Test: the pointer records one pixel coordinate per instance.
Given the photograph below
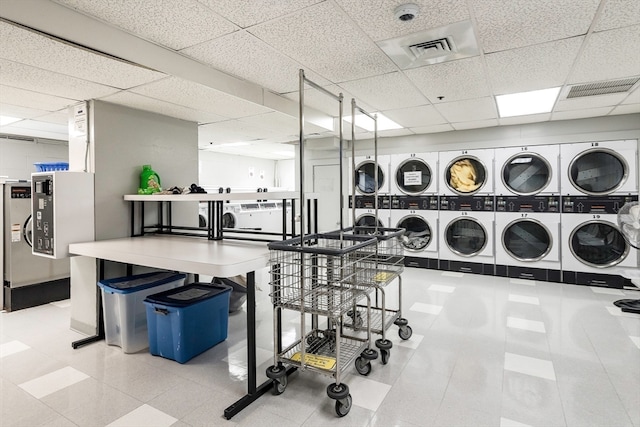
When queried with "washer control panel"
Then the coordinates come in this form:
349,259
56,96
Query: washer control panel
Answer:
595,204
369,202
467,203
527,203
425,203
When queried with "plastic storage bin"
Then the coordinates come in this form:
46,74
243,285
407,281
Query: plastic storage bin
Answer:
51,166
187,321
125,319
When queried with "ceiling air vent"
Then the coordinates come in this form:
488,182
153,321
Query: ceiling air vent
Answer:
601,88
438,47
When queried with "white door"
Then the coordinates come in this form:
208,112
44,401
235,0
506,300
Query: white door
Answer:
326,183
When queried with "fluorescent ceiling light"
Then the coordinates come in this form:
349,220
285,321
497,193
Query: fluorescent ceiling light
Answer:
523,103
6,120
366,123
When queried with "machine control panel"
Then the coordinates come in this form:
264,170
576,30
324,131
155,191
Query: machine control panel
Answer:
595,204
528,203
467,203
42,208
424,203
368,202
21,192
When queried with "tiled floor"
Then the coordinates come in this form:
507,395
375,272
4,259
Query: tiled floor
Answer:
484,351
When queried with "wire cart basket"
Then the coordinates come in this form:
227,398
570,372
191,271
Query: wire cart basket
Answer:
322,275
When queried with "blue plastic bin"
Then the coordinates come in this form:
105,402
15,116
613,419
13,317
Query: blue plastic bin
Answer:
125,318
185,322
51,166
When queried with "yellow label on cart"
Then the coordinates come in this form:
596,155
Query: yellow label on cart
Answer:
315,360
383,276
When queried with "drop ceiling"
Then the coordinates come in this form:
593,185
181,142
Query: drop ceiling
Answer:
232,65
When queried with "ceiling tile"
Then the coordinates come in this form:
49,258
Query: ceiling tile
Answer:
633,97
34,131
246,13
394,132
618,62
581,114
519,120
586,102
141,102
432,129
377,18
455,80
617,14
386,91
245,56
320,101
199,97
26,98
60,129
20,112
507,24
280,123
424,115
534,67
61,117
475,124
626,109
469,110
49,82
323,39
232,131
169,23
30,48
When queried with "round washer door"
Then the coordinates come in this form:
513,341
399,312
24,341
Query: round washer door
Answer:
417,234
598,244
598,171
465,175
413,176
367,220
466,236
365,177
27,231
526,173
527,240
228,220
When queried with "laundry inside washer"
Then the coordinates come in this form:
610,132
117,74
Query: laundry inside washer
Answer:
466,175
417,235
413,176
365,177
466,237
598,244
526,173
526,240
598,171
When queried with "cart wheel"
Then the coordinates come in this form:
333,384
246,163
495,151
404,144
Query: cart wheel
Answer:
276,372
401,321
384,344
384,355
343,406
369,354
405,332
337,391
363,366
279,385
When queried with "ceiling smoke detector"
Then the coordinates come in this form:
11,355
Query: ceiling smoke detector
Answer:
406,12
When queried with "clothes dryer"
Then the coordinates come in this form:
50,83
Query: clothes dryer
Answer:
525,171
365,211
365,178
466,230
414,174
466,172
599,168
528,238
418,216
592,245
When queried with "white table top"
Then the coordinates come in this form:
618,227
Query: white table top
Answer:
225,258
203,197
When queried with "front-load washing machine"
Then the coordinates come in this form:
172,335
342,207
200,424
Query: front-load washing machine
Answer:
418,216
466,172
364,176
365,211
592,245
528,238
414,174
466,230
599,168
525,171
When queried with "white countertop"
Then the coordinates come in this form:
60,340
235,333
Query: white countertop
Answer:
224,258
204,197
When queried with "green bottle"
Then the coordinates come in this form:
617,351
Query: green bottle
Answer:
149,181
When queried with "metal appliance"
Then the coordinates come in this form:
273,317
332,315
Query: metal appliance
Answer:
365,178
365,211
418,215
466,229
28,280
528,237
414,174
592,245
466,172
526,171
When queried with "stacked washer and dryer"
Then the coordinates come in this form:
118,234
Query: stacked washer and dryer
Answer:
365,178
527,191
598,179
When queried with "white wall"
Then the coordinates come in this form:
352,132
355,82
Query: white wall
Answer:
237,172
17,157
286,175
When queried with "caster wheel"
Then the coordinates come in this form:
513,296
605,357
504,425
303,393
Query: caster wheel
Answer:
275,372
405,332
401,321
279,385
384,355
363,366
343,406
337,391
384,344
369,354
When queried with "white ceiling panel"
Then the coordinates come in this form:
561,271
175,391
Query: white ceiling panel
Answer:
386,91
26,98
475,124
30,48
232,131
280,123
20,112
41,126
394,132
246,13
585,102
621,58
327,42
320,101
508,24
617,14
519,120
175,24
633,97
378,21
626,109
534,67
51,83
35,131
197,96
423,115
455,80
244,55
432,129
60,117
470,110
581,114
142,102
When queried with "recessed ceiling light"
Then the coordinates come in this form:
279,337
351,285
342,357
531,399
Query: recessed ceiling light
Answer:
366,123
523,103
6,120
